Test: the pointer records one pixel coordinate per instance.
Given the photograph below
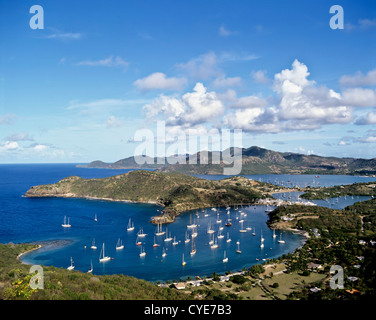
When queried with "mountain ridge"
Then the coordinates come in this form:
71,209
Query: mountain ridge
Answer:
255,160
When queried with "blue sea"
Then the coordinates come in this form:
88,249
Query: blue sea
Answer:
39,220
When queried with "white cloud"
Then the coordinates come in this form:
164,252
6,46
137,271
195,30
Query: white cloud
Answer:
359,97
223,81
22,136
8,119
158,80
224,32
203,67
369,119
111,61
113,122
65,36
359,79
193,108
260,77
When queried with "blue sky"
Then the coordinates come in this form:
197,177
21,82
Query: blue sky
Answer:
99,71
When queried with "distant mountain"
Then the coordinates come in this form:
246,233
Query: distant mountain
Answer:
255,160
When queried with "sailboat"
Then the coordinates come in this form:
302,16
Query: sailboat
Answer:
159,230
220,235
193,251
93,246
95,218
191,225
225,259
194,233
71,267
175,242
130,226
187,238
228,238
280,239
141,233
183,263
215,244
274,235
91,269
242,230
102,256
238,250
168,238
155,244
66,224
210,230
262,238
138,242
142,253
119,245
164,253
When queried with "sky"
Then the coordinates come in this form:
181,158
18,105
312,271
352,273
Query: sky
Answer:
96,74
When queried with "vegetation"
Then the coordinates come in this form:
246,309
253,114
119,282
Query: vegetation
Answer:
356,189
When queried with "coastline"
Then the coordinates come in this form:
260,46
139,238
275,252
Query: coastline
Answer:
23,253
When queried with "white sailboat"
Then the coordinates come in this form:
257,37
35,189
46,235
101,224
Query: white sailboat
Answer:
175,242
262,238
91,269
141,233
102,255
187,238
119,245
155,244
71,267
225,259
274,235
194,233
228,238
191,225
238,249
241,223
159,232
280,239
210,230
130,226
66,224
142,253
214,245
93,246
193,251
95,218
183,263
168,238
164,253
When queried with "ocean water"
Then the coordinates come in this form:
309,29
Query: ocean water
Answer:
39,220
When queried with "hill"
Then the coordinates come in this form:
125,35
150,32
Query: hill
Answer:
175,192
255,160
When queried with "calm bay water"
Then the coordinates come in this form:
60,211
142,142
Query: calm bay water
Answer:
32,219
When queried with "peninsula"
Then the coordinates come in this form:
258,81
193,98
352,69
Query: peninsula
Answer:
175,192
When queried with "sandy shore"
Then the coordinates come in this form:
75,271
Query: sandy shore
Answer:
23,253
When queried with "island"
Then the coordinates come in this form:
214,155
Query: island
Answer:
174,192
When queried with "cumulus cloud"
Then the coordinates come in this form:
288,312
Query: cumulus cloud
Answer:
359,79
359,97
113,122
368,119
192,109
259,76
159,80
301,105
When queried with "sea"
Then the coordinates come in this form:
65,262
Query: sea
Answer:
104,224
